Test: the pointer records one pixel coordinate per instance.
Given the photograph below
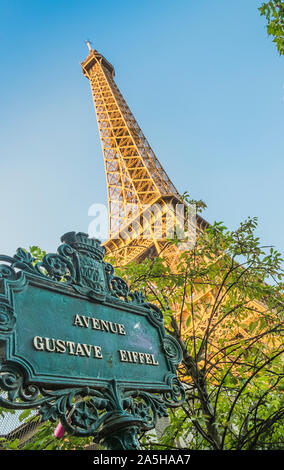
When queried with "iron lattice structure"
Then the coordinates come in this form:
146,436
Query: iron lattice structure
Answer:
136,180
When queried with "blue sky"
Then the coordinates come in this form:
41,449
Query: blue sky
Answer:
202,78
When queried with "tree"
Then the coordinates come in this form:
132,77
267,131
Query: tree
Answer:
224,305
274,13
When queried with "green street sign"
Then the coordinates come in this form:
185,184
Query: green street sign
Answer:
77,345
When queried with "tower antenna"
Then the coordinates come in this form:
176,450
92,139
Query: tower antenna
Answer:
89,45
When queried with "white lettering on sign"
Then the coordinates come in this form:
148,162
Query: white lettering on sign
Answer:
61,346
69,347
137,357
97,324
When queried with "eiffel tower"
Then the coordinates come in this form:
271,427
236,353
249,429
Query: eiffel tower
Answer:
135,177
136,180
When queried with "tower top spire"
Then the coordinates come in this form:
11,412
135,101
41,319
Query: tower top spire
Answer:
89,45
94,57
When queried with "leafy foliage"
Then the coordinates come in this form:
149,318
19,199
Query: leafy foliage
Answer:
43,438
274,14
224,305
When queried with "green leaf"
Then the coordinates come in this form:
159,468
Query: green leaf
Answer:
25,414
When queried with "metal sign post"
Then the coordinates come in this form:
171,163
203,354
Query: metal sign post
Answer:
81,348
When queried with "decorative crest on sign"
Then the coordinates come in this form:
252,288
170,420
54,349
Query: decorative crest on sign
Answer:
79,263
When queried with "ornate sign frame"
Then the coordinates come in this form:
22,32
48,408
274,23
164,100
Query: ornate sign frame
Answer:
110,408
